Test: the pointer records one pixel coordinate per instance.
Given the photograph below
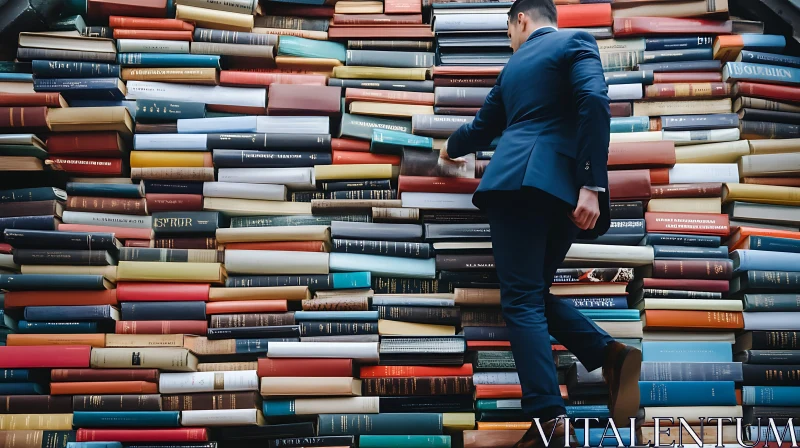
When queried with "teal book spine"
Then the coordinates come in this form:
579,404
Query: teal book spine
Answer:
745,71
382,266
595,437
21,389
142,419
759,260
94,445
26,327
336,316
588,411
773,244
168,60
370,441
310,48
770,395
380,424
351,280
687,393
768,43
14,375
162,110
252,345
621,125
278,408
393,142
610,314
16,77
772,302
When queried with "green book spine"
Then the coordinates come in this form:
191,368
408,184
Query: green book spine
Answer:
380,424
369,441
393,142
71,23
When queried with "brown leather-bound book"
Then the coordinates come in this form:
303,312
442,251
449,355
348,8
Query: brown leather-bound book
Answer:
186,243
433,385
629,185
688,90
337,304
659,176
33,208
19,299
630,155
685,320
100,9
695,223
377,31
161,202
706,190
493,439
35,404
388,96
78,375
23,117
211,401
402,6
721,269
115,402
199,327
348,144
766,91
621,109
143,23
295,246
86,144
250,320
289,99
247,306
93,340
157,128
126,206
258,79
682,77
42,99
103,388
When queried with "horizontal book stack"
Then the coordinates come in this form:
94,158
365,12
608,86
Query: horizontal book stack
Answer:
24,116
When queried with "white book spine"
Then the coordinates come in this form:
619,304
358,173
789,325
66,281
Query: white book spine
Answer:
365,351
438,201
621,92
293,125
152,46
173,383
509,403
7,262
702,136
237,190
633,137
495,378
608,255
240,6
230,96
619,45
291,177
220,417
693,304
107,219
688,173
273,262
470,22
170,142
217,125
344,405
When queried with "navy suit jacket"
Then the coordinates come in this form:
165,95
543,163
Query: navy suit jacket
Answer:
550,103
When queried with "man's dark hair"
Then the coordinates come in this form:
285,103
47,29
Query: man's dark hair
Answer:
544,10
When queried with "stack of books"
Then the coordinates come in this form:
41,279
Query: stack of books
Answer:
24,116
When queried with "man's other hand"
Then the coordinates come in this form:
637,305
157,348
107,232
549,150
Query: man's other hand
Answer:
443,152
587,211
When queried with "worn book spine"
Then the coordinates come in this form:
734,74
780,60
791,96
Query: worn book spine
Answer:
337,328
35,404
694,269
210,401
424,315
453,385
116,402
251,320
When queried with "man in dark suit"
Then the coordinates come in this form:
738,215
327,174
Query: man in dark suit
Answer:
545,185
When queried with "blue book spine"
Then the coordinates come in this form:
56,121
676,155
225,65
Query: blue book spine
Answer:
677,43
596,437
278,408
351,280
145,419
691,371
171,142
26,327
744,71
247,124
94,445
336,316
687,393
409,301
162,110
380,424
16,77
83,88
681,55
384,266
610,315
21,389
68,69
168,60
45,222
772,302
50,282
32,194
662,351
254,345
599,302
770,395
167,187
368,441
163,310
623,232
666,239
588,411
38,239
773,244
757,260
68,313
105,190
486,333
630,124
688,66
768,43
308,48
699,122
689,252
244,158
756,57
385,141
14,375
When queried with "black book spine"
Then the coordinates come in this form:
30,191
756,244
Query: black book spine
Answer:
177,445
337,328
771,375
232,37
116,403
308,196
22,238
98,31
389,248
448,385
670,294
421,314
482,317
770,115
380,184
29,54
453,403
465,262
166,187
391,285
699,122
280,431
776,340
68,69
486,333
468,277
439,217
770,130
767,357
251,320
61,257
180,223
247,158
313,281
390,44
35,404
780,414
627,210
163,311
284,331
303,442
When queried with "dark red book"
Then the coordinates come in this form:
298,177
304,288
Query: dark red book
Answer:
186,243
302,367
45,357
686,284
654,26
377,19
621,109
413,371
659,176
101,9
258,79
143,23
23,117
721,269
584,16
91,166
426,184
626,156
767,91
291,99
138,243
120,33
46,99
402,6
5,248
686,77
93,375
144,435
629,185
86,144
162,202
706,190
247,110
162,292
692,223
198,327
348,144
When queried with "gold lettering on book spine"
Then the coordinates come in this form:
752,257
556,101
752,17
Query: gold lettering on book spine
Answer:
219,381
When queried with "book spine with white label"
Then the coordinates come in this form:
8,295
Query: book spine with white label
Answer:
177,383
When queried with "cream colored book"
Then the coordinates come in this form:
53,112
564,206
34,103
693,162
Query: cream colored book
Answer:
622,329
397,328
259,293
37,422
276,262
491,297
321,66
637,137
322,386
202,346
600,255
173,174
358,7
725,152
770,165
306,34
109,272
389,109
686,205
692,414
55,41
693,107
774,146
402,215
154,271
346,172
164,358
458,421
277,233
762,194
336,405
689,336
222,417
209,18
16,87
194,382
252,207
143,340
220,366
203,76
361,72
690,304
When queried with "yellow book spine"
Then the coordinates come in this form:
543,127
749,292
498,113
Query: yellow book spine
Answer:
170,272
726,152
41,422
344,172
763,194
170,159
396,328
390,110
358,72
209,18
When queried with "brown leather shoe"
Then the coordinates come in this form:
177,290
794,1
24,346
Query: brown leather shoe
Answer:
532,438
621,371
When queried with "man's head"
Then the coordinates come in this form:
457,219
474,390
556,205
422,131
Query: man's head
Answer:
527,15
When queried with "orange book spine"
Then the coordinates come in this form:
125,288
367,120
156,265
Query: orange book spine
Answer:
498,391
360,158
19,299
659,176
680,319
94,340
504,426
104,387
293,246
488,345
744,232
586,15
143,23
247,306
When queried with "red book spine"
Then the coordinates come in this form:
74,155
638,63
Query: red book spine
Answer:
629,185
347,144
41,99
143,435
37,357
498,391
98,144
91,375
356,158
153,34
23,117
377,19
162,292
630,155
90,167
120,232
128,206
402,7
159,202
768,91
413,371
198,327
488,345
583,16
685,284
694,223
242,78
638,26
303,367
5,248
138,243
621,109
688,90
424,184
141,23
706,190
681,77
659,176
695,269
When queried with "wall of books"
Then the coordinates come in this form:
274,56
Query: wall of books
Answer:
225,224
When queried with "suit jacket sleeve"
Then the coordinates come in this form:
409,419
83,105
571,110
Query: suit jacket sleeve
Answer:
489,122
590,96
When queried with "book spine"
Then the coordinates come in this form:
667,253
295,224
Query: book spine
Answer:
107,205
679,294
23,117
770,279
235,158
29,54
684,371
251,320
397,249
286,331
185,243
423,315
693,269
116,403
314,281
186,223
35,404
303,196
65,69
67,313
446,385
233,37
208,401
158,311
343,424
337,328
770,375
60,257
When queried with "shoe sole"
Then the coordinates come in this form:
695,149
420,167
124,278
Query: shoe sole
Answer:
627,403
